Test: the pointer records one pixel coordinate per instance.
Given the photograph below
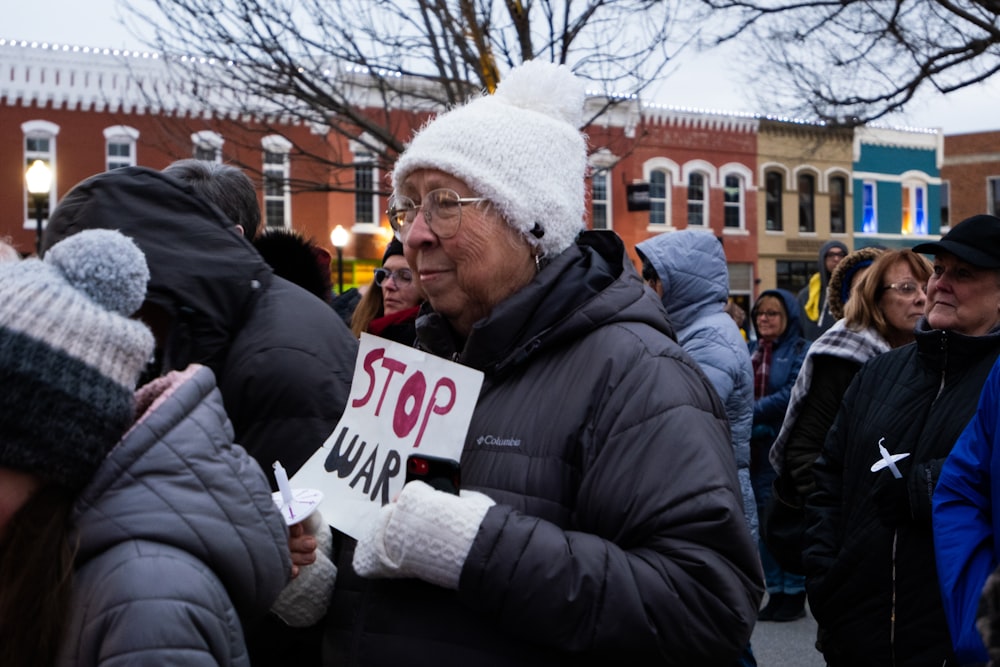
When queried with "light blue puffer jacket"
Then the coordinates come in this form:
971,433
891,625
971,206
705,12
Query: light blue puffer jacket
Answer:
692,269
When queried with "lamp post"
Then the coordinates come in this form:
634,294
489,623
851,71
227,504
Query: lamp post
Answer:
39,180
338,237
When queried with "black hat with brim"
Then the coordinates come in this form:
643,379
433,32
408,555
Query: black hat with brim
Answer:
975,240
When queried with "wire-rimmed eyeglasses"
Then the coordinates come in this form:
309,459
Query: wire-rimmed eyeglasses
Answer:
442,210
401,276
906,288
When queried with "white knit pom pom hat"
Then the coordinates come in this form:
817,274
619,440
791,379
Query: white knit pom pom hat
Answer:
520,148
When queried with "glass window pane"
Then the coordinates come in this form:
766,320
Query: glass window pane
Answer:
733,201
838,205
658,198
775,187
807,212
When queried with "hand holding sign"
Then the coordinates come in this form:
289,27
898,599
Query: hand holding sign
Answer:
402,400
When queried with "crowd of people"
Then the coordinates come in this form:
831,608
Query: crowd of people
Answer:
661,467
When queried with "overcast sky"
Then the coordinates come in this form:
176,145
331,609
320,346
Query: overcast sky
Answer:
94,23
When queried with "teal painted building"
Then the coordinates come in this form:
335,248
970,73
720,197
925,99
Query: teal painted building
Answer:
896,186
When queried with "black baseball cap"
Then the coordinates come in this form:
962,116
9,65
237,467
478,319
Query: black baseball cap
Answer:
975,240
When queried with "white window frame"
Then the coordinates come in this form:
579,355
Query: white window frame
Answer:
603,204
276,145
120,135
739,205
745,177
365,160
914,196
38,129
207,141
706,189
601,163
671,173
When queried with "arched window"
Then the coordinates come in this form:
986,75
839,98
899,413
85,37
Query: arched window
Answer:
869,208
807,202
39,144
207,146
119,146
914,208
659,197
277,193
697,203
774,190
733,202
838,205
600,204
365,194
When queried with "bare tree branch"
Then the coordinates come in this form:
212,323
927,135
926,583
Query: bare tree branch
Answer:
855,61
350,66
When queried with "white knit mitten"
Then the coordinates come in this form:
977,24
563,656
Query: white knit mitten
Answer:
426,534
304,601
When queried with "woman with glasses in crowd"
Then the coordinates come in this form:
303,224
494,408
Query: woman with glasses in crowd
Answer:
869,558
600,519
880,312
776,356
389,307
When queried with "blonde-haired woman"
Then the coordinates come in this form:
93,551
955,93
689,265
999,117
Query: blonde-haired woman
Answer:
881,313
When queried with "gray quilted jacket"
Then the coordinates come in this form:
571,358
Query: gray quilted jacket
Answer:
180,542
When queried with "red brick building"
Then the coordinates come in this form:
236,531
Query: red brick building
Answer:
81,111
970,176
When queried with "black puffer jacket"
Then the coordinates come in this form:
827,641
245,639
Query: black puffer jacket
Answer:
618,537
869,537
283,359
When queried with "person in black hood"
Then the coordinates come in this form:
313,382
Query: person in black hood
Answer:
776,355
283,359
296,259
813,297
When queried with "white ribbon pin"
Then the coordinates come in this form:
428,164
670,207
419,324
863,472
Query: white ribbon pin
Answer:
888,460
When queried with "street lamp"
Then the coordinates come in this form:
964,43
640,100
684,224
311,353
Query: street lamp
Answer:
39,179
338,237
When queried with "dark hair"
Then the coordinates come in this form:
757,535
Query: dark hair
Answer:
293,257
225,186
649,274
36,577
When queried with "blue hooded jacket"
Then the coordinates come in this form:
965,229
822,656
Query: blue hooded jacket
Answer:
692,269
786,360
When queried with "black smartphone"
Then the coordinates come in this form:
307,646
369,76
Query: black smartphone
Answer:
442,474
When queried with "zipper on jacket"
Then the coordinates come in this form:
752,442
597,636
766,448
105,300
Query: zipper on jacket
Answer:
944,363
892,609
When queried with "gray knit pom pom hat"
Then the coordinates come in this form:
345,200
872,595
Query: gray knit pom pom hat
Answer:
69,354
521,148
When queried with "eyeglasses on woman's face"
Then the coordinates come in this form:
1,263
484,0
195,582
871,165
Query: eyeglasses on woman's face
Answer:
906,288
401,276
769,314
442,210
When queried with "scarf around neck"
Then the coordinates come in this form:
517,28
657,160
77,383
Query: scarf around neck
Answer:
837,341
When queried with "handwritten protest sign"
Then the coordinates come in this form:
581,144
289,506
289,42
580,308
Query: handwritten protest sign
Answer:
402,401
